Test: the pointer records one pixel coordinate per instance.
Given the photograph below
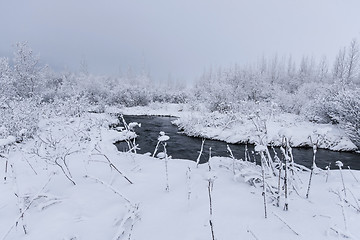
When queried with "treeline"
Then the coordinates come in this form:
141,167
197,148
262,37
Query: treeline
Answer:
30,91
317,90
320,91
24,78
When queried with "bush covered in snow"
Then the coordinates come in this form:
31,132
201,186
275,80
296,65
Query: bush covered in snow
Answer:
19,118
346,110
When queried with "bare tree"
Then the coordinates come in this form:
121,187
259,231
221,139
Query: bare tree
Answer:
84,68
291,69
339,69
306,69
274,69
323,69
352,61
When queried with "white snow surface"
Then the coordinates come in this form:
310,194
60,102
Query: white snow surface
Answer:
163,138
124,135
260,148
7,141
37,196
234,128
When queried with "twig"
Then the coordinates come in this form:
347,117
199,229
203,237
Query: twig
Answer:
353,174
68,176
286,224
340,164
113,166
246,153
327,172
132,216
21,215
356,201
263,179
200,153
30,165
134,148
357,208
312,169
209,165
270,161
188,178
166,169
210,187
110,187
341,233
156,148
20,201
343,213
232,157
131,145
6,168
284,152
279,185
252,234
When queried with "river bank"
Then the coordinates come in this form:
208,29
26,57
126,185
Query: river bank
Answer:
238,128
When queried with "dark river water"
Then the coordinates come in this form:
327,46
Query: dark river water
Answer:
180,146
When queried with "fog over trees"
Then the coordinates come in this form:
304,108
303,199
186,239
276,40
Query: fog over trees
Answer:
319,90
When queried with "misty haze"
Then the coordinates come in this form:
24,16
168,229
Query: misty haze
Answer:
179,120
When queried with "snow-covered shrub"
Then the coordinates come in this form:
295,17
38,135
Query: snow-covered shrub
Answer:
93,88
137,97
219,104
161,95
309,100
288,102
316,101
191,124
346,111
129,96
318,109
72,106
59,139
20,117
215,91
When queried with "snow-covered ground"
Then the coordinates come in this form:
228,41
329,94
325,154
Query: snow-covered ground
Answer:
234,128
101,193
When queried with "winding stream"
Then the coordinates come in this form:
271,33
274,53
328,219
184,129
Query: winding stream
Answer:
180,146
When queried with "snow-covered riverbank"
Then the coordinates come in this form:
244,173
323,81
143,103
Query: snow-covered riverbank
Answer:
104,194
234,128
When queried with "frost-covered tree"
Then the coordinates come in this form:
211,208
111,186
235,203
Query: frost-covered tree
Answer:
51,85
339,67
323,69
6,89
346,67
345,109
352,61
26,72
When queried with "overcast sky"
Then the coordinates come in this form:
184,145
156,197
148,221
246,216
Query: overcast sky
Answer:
177,37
